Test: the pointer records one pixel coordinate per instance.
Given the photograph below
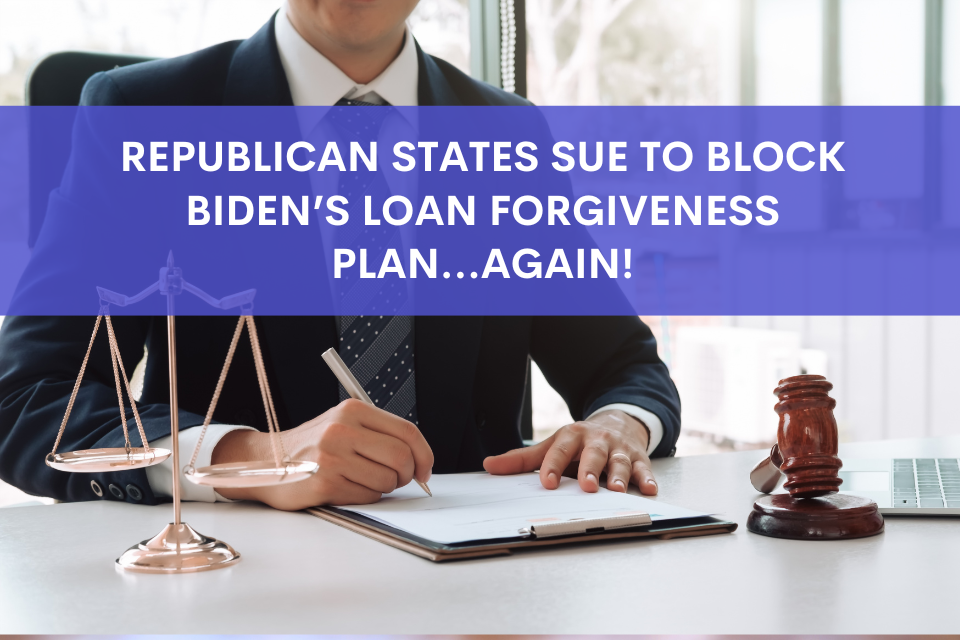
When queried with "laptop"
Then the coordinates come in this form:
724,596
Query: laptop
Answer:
906,486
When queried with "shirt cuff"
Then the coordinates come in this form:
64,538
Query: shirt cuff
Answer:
160,476
649,420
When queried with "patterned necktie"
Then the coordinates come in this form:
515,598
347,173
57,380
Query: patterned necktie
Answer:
377,348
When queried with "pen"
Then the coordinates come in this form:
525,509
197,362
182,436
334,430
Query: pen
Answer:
350,383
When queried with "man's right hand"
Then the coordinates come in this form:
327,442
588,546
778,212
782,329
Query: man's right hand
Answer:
363,452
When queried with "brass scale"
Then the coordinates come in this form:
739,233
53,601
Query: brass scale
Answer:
178,548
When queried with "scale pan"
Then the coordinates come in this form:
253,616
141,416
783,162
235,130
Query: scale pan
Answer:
106,460
251,474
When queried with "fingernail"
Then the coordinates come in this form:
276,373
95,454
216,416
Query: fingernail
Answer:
652,482
591,477
618,482
552,477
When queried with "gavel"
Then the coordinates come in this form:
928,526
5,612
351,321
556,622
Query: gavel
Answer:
806,449
806,454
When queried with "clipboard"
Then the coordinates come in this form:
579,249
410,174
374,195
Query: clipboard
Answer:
440,552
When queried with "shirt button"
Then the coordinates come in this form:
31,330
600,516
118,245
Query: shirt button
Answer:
134,493
117,492
97,489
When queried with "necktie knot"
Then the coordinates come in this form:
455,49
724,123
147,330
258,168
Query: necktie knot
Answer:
355,123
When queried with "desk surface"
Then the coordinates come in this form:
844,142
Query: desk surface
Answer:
300,574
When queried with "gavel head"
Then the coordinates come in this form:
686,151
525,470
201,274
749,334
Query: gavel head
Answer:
807,436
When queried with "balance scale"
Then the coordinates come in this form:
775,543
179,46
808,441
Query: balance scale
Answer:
178,548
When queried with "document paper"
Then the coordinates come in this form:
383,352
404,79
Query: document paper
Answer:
477,506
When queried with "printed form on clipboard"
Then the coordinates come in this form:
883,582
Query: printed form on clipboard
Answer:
477,506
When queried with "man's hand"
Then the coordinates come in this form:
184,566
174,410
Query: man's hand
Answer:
611,441
363,452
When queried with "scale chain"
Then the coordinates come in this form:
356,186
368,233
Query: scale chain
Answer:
273,424
116,380
115,360
76,386
216,393
133,405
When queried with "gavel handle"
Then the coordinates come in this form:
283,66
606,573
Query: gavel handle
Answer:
766,476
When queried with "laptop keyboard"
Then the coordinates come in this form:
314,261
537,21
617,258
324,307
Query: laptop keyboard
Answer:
926,483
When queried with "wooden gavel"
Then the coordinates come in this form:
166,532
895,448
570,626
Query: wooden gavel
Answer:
806,449
806,453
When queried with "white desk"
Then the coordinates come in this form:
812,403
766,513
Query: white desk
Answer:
300,574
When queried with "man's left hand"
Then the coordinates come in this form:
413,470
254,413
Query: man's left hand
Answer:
611,441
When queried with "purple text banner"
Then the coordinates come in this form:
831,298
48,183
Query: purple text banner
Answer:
493,211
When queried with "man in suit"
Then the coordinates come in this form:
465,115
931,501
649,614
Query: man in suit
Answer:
458,404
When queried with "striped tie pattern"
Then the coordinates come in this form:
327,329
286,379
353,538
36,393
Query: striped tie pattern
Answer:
378,349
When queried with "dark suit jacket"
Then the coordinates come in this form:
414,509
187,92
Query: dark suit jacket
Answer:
470,370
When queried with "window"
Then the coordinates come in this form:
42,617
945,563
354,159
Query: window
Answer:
882,53
617,52
951,52
788,52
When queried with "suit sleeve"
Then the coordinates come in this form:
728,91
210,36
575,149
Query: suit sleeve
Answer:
39,361
597,361
40,357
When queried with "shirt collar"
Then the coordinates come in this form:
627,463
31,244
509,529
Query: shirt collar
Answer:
315,81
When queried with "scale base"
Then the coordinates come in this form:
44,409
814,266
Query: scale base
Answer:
178,548
832,517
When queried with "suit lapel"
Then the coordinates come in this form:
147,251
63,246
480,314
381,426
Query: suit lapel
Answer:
256,76
433,90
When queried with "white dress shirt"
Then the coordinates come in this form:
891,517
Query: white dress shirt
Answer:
315,81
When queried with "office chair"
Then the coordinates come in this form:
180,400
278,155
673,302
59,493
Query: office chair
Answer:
57,81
